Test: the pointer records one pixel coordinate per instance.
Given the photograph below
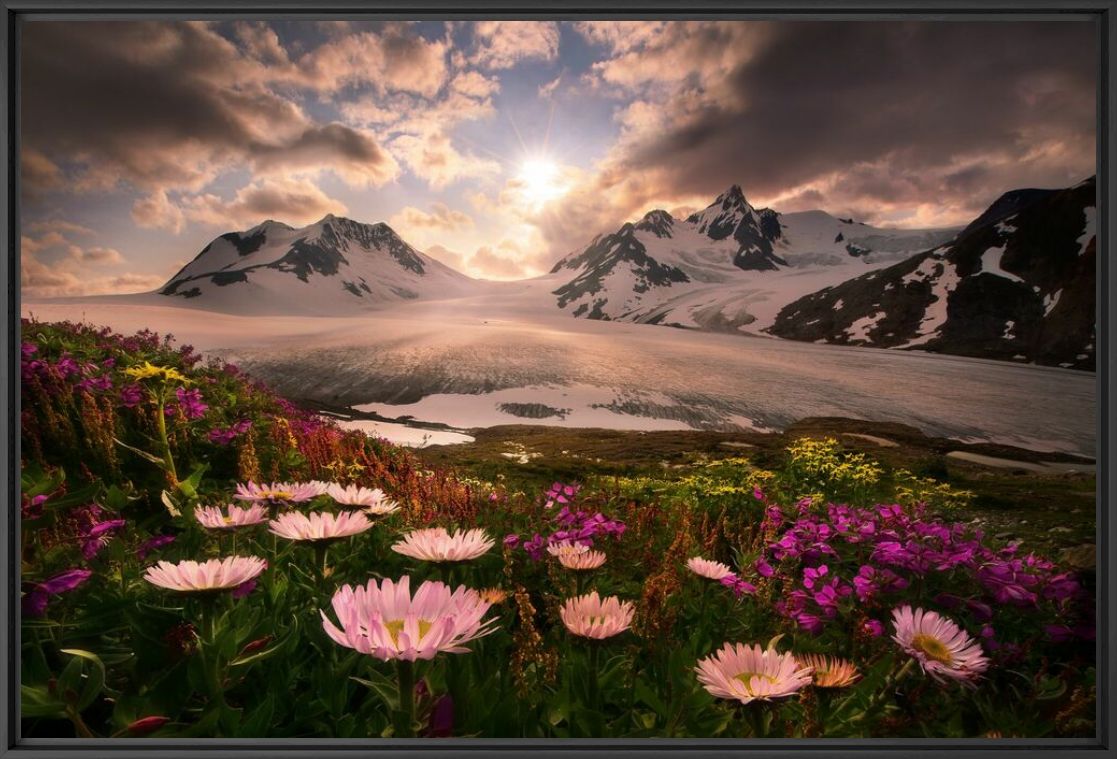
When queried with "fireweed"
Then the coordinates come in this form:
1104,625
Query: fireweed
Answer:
138,620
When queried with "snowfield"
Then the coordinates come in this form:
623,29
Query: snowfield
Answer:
496,358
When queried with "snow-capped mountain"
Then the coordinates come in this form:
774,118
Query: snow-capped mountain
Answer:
727,267
1017,283
335,265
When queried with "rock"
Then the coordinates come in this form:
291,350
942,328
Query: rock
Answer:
1082,557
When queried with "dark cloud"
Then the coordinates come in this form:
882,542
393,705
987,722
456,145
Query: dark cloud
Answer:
168,106
920,107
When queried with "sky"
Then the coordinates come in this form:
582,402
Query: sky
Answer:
500,146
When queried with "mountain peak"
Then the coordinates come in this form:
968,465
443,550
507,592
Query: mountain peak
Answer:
734,195
658,222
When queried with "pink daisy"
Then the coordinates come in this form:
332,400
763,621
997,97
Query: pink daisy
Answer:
942,648
206,576
751,673
711,570
319,526
385,621
212,518
372,501
591,616
279,492
436,544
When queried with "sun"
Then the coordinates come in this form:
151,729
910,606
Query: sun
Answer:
540,180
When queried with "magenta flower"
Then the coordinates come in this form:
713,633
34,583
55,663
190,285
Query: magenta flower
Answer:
131,395
35,602
97,537
189,402
153,544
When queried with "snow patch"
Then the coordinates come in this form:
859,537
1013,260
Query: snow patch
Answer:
991,264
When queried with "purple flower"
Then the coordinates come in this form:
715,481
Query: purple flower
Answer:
32,508
442,717
511,541
560,493
153,544
763,568
243,589
34,604
131,395
189,403
97,536
226,435
873,628
737,585
812,574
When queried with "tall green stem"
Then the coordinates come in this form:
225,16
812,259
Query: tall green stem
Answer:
591,679
161,425
405,674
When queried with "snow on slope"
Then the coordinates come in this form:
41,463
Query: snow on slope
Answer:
729,267
335,265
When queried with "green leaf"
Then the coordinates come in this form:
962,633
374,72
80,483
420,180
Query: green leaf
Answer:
189,486
37,701
141,453
94,681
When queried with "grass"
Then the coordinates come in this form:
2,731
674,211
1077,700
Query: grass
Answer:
1048,512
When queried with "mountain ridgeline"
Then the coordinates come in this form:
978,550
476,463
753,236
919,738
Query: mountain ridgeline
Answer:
335,265
1018,284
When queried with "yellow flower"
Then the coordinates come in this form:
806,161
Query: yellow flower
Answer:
148,370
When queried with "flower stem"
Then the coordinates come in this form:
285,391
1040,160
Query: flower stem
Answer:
161,425
594,695
405,674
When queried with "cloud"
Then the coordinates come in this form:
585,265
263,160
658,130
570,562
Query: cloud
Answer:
293,201
52,265
441,217
195,106
891,113
503,44
434,158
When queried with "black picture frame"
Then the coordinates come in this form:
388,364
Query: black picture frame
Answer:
15,12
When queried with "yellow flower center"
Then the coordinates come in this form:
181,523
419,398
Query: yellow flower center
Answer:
395,627
932,648
281,495
227,519
746,678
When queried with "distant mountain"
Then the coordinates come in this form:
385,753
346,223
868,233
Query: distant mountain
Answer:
335,265
1017,283
727,267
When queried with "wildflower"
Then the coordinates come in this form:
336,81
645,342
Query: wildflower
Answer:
373,500
189,402
243,589
97,537
436,544
873,628
319,526
711,570
494,595
561,494
763,568
511,541
278,492
147,370
131,395
830,671
207,576
146,725
737,585
591,616
34,603
32,508
942,648
235,517
153,543
384,620
226,435
582,560
751,673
